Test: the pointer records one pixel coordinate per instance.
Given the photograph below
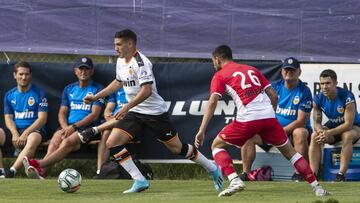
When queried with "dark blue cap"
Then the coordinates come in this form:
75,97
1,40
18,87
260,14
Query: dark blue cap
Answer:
291,62
83,61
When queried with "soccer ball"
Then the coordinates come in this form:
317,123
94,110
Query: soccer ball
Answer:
69,180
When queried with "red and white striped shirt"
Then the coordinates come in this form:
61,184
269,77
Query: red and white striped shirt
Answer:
246,85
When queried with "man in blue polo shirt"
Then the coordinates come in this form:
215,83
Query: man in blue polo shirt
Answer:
74,115
25,111
293,112
339,106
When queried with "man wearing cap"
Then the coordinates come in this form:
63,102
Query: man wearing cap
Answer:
74,115
293,112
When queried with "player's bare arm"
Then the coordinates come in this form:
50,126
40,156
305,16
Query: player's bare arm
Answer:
298,123
318,127
62,116
108,112
317,118
273,96
111,88
10,124
209,113
90,118
142,95
349,116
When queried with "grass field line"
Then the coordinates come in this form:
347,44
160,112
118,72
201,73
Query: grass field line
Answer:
171,191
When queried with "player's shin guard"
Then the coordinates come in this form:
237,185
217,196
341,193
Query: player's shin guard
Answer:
303,167
123,157
190,152
224,161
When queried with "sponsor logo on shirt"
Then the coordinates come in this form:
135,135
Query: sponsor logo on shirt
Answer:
24,115
144,75
337,120
349,100
129,83
43,103
140,63
82,106
308,105
285,111
169,134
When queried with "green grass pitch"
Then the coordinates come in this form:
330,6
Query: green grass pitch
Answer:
171,191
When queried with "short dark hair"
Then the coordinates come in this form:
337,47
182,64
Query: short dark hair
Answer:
223,52
126,34
329,73
22,64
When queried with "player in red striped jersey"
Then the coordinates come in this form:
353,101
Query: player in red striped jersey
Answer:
255,101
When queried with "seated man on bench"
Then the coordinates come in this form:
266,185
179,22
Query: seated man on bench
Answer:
25,112
339,106
293,112
73,116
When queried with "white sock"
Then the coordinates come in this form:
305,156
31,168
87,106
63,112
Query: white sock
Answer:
13,169
131,168
233,176
314,184
98,171
201,160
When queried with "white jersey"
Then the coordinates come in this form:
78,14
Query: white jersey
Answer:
134,74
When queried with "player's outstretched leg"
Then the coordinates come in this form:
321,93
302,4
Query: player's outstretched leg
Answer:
303,167
123,157
138,186
190,152
224,160
218,178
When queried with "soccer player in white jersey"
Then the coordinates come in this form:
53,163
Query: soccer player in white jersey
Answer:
255,101
145,108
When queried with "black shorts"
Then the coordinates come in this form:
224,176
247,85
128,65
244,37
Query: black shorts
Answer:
337,138
8,135
133,125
